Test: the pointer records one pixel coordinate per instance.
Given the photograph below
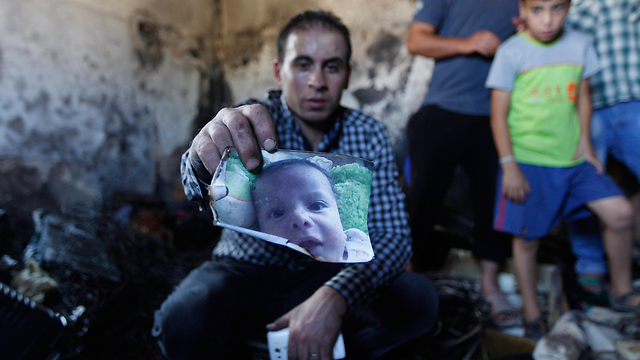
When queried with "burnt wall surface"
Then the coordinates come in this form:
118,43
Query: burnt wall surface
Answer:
111,87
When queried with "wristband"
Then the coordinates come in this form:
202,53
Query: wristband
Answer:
506,159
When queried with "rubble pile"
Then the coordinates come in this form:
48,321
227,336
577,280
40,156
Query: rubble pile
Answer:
105,271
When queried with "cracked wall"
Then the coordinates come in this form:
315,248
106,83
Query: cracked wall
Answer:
109,87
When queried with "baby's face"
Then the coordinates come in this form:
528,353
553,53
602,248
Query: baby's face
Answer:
299,205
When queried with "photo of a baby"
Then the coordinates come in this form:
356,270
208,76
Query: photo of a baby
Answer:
300,200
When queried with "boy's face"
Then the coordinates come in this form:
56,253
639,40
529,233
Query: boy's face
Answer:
299,205
544,18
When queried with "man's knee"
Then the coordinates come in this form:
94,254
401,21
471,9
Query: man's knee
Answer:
418,301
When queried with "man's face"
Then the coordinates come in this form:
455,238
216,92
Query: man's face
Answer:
313,73
299,205
544,18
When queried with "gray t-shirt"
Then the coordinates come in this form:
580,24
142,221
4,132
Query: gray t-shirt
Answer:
458,82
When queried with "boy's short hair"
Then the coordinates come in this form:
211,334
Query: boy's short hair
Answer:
284,165
309,19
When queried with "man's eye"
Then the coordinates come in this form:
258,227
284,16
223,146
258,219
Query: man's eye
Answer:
303,65
277,213
333,68
317,205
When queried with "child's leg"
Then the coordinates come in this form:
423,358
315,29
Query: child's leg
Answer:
524,260
616,213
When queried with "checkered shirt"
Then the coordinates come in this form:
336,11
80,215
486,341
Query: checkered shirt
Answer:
355,134
615,28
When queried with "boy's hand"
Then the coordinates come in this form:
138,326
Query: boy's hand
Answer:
585,151
514,184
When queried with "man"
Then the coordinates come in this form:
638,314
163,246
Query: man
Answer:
452,128
615,124
250,283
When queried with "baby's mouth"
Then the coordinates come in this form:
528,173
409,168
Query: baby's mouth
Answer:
309,243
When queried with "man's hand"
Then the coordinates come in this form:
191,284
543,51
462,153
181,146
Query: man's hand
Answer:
514,184
483,42
314,325
585,151
244,127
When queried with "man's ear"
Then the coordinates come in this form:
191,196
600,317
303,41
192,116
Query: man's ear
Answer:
277,67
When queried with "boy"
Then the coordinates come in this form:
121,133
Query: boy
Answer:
295,199
540,117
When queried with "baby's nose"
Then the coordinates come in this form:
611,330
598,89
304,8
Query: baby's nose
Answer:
300,219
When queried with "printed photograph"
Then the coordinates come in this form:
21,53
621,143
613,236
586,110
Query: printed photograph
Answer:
314,203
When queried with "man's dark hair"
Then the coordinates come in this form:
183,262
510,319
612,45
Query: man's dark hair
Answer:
308,20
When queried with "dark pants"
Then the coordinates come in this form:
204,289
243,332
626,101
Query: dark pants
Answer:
440,140
223,302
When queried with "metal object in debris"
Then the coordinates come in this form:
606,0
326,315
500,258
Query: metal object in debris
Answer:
29,331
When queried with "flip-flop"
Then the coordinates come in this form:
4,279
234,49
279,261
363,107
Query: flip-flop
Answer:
503,313
591,284
536,328
620,303
592,291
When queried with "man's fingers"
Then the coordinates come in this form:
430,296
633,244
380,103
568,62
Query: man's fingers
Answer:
263,126
204,157
243,137
280,323
326,352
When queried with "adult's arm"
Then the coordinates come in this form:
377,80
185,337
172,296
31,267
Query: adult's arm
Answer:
424,40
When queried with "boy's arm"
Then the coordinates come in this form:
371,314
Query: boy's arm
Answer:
514,185
585,110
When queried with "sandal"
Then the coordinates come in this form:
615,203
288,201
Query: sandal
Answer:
535,329
591,284
620,303
503,314
593,291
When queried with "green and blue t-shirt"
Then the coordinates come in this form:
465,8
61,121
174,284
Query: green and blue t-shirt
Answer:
543,79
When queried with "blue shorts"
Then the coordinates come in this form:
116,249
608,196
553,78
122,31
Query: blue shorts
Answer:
556,193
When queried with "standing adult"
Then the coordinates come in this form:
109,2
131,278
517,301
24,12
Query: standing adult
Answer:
615,124
251,285
452,128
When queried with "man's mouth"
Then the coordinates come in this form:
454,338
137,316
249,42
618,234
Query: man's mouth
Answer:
316,102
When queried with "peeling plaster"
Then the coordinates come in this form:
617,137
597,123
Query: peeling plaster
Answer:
86,89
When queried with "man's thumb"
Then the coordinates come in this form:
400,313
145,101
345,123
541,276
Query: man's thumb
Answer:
280,323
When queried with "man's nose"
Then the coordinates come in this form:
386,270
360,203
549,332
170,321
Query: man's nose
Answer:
317,79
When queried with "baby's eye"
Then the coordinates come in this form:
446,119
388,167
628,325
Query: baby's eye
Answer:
277,213
317,205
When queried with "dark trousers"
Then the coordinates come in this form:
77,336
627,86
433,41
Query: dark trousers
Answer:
440,140
225,301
